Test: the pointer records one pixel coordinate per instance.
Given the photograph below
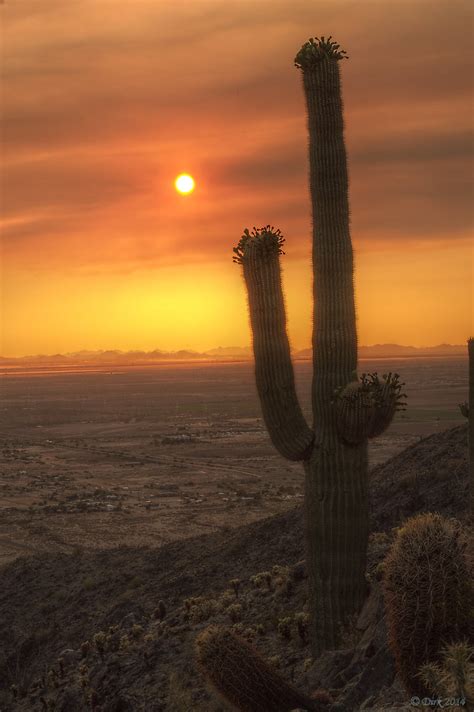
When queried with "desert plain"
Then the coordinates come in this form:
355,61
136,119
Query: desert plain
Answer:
101,457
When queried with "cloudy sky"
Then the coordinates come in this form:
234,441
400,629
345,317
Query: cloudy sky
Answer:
106,102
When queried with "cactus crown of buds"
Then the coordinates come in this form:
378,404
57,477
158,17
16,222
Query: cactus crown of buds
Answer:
317,49
371,385
261,242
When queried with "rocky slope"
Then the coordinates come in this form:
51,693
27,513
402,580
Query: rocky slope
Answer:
84,632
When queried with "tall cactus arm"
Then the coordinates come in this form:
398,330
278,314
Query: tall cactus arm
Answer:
259,254
334,330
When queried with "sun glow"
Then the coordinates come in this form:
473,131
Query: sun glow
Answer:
184,184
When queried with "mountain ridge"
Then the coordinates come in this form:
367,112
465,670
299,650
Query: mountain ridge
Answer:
226,353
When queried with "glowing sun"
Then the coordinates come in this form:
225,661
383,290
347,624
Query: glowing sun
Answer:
184,184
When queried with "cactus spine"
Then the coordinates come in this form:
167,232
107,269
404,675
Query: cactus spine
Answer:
243,678
428,594
345,412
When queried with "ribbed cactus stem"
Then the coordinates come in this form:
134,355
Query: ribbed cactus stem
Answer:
259,255
336,508
428,594
334,331
470,348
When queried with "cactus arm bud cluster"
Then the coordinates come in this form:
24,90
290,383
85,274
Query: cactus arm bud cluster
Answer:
317,49
355,412
239,673
428,594
259,255
366,408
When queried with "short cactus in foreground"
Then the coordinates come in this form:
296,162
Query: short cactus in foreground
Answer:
160,611
239,673
346,411
428,594
454,676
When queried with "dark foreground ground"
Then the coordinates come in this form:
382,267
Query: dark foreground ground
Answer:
80,630
119,489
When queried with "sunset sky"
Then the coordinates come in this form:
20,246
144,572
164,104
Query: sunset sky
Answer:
106,102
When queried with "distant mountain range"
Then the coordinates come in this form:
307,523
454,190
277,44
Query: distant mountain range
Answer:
233,353
389,350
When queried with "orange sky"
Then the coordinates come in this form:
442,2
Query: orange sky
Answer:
106,102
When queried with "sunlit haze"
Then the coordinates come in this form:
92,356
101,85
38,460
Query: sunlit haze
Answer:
106,104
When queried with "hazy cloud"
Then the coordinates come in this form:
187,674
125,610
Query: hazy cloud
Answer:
104,103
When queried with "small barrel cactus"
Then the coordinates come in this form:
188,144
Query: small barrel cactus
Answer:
240,674
464,408
428,594
160,611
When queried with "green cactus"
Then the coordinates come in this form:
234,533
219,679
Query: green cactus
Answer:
346,412
464,408
428,594
467,409
160,611
243,678
470,346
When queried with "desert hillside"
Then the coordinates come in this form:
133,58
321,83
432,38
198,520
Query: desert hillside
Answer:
85,631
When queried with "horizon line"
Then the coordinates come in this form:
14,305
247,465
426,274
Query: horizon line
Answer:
212,351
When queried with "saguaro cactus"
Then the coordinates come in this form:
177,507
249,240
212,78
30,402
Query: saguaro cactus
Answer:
346,411
467,409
